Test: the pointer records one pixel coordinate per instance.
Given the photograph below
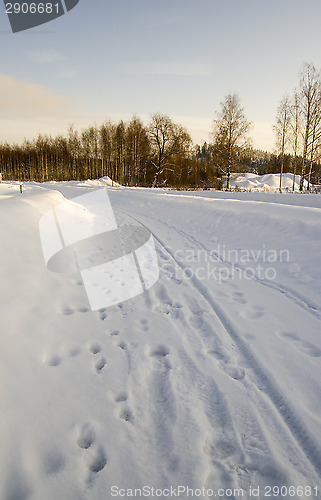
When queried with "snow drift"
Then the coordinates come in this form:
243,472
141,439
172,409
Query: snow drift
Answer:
267,182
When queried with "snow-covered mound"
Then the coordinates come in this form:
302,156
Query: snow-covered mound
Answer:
98,183
102,182
267,182
210,380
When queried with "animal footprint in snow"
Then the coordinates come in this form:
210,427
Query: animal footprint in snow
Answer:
51,360
97,460
255,312
122,396
196,321
100,363
86,436
302,345
157,350
94,348
64,309
66,351
161,294
122,345
102,314
126,415
83,309
216,354
233,371
125,412
239,298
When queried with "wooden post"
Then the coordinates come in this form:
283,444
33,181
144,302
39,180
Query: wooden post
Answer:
21,188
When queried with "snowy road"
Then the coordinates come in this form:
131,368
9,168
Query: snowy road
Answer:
211,379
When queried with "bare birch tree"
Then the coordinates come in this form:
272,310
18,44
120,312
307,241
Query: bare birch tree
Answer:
295,132
281,129
230,134
310,94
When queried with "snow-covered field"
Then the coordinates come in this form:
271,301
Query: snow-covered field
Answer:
210,380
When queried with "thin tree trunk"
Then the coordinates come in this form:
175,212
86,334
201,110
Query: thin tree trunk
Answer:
294,173
281,173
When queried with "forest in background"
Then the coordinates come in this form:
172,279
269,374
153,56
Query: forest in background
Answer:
124,152
161,153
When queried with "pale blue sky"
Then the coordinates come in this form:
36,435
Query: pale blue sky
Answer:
109,59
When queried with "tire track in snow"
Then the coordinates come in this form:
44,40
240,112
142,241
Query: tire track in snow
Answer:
240,454
295,297
265,382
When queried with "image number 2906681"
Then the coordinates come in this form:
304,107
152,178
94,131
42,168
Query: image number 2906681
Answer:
24,15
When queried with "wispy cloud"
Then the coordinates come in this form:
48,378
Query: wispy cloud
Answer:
166,68
23,100
45,56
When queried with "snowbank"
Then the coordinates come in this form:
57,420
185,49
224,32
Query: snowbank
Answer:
102,182
267,182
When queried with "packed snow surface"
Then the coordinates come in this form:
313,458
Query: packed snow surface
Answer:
210,380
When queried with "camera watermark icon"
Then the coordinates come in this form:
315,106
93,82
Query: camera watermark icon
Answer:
26,14
116,263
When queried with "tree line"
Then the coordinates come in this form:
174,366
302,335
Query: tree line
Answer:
161,153
131,153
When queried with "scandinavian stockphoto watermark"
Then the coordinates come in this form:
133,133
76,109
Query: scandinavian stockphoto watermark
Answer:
26,14
222,263
82,235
